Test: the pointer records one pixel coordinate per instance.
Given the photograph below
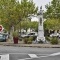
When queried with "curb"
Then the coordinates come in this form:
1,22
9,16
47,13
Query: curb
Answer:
30,45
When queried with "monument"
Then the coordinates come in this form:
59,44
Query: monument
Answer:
40,36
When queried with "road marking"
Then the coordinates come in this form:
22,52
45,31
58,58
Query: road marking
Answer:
43,56
21,59
14,53
4,57
25,59
55,54
33,55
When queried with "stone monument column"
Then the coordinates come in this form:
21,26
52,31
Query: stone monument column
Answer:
40,36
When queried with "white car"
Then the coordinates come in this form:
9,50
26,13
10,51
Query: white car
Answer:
53,34
29,34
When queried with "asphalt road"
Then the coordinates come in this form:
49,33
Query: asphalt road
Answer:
30,53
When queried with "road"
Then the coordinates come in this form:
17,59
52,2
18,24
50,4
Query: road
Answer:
30,53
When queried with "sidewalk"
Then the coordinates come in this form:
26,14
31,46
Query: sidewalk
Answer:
20,44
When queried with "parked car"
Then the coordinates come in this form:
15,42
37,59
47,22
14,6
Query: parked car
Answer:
31,34
2,38
53,34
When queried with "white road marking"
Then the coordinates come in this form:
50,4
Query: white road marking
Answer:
43,56
21,59
14,53
33,55
25,58
4,57
55,54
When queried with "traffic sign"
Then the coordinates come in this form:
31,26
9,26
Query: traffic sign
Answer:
0,28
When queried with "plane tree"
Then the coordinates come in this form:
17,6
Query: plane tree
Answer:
53,9
52,15
12,12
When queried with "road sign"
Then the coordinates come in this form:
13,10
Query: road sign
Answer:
0,28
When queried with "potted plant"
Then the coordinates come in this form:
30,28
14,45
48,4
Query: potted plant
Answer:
15,37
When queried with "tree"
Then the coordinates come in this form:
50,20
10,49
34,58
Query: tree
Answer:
53,9
12,12
52,24
28,24
52,15
34,25
9,15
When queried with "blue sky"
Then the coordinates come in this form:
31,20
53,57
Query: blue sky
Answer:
41,3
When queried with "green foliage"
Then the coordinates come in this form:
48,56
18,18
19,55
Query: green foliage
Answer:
48,38
53,9
28,40
25,40
52,24
52,15
15,34
54,40
34,25
12,12
28,24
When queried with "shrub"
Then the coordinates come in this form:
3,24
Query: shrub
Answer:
54,40
15,34
34,38
48,38
25,40
30,39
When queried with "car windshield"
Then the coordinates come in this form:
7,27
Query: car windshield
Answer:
2,36
31,34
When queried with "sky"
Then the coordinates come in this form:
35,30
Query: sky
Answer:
42,3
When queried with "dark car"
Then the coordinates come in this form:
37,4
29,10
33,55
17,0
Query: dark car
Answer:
2,38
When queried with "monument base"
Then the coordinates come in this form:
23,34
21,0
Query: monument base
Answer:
41,39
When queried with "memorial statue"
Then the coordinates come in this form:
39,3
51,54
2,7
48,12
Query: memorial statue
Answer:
40,36
40,21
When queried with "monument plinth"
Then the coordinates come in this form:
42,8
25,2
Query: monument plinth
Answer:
40,36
